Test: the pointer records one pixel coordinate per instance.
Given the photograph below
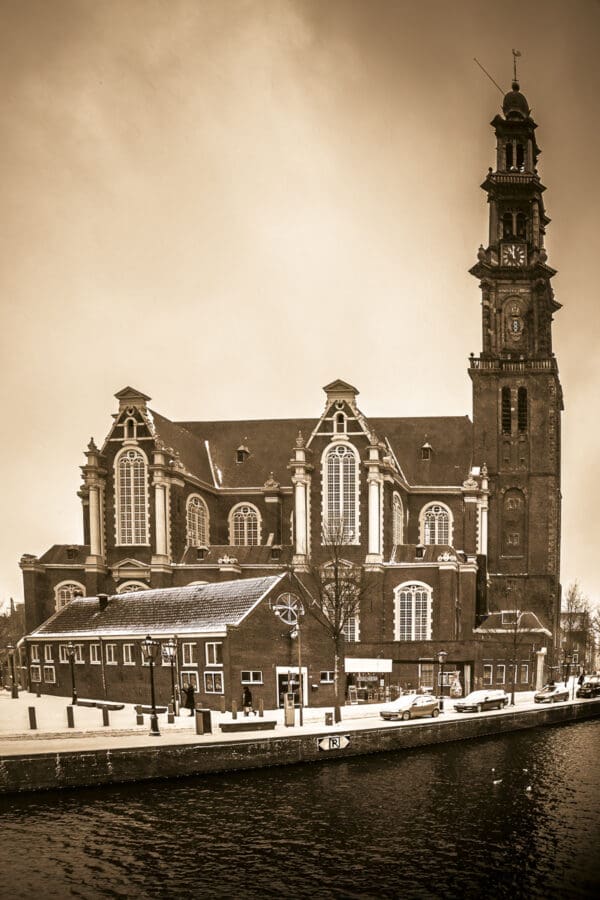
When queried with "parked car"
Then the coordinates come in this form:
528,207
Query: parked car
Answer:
477,701
590,687
411,706
552,693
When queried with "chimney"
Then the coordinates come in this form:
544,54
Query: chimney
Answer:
103,601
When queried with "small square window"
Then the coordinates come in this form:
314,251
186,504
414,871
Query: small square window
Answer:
35,653
95,654
187,654
63,653
49,675
487,674
129,654
252,677
501,674
35,674
327,677
111,654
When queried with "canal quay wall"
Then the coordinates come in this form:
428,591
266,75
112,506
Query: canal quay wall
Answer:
103,766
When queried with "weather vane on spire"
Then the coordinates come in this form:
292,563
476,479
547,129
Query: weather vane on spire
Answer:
515,53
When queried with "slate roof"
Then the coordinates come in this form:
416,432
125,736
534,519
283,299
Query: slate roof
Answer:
256,555
67,554
193,609
271,443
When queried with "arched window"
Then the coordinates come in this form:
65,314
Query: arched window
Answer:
397,520
522,409
340,495
131,497
521,225
339,423
413,612
197,522
506,411
130,587
130,429
435,524
514,518
244,526
65,591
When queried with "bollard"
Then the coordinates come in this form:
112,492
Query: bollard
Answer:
222,706
70,717
105,720
38,691
32,721
170,715
329,718
234,709
139,719
203,722
261,708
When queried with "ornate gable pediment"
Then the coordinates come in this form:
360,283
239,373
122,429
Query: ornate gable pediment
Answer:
127,569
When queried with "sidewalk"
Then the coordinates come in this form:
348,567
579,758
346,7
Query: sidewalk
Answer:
53,734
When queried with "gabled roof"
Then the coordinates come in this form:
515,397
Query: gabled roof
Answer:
190,447
528,623
129,393
194,609
66,554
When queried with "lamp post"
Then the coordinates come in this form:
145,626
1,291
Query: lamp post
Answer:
71,654
170,652
14,690
442,655
150,651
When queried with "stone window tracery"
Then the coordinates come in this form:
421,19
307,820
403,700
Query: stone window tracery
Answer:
436,522
413,612
131,490
244,526
197,522
340,495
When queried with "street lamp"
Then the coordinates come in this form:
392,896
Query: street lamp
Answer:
170,652
71,655
14,691
566,667
442,655
150,651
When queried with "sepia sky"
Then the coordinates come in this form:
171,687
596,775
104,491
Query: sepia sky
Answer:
229,203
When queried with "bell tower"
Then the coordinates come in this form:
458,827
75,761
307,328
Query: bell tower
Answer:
517,397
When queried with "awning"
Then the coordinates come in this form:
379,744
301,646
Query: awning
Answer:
364,664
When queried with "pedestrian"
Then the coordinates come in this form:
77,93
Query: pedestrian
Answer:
247,701
581,678
190,700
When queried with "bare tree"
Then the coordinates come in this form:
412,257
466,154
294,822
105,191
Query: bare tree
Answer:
333,591
577,625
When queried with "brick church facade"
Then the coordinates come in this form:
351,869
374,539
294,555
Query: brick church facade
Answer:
456,521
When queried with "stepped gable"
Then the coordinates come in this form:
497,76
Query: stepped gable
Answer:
451,440
269,441
190,609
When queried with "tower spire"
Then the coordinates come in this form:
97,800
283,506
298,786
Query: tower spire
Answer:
515,54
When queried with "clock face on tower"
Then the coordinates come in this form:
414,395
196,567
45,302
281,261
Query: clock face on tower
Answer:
513,255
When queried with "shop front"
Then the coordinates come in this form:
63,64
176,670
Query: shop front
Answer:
369,680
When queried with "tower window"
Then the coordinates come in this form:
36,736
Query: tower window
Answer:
521,225
506,414
520,157
509,156
522,409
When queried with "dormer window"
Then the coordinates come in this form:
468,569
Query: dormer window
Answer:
339,423
426,450
242,454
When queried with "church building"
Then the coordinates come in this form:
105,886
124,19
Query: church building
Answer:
456,521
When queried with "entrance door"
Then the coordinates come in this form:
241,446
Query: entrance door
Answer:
288,681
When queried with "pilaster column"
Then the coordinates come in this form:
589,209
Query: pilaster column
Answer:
95,526
93,486
300,469
483,512
160,515
375,481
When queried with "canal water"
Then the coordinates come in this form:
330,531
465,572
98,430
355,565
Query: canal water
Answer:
427,823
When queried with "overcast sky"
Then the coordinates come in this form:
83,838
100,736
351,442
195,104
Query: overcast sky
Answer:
229,204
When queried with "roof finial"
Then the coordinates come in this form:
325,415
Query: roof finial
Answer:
515,53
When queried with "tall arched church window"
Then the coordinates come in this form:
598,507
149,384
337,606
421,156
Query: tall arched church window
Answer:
412,621
435,524
522,409
506,412
197,522
244,526
66,591
131,497
340,500
397,520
